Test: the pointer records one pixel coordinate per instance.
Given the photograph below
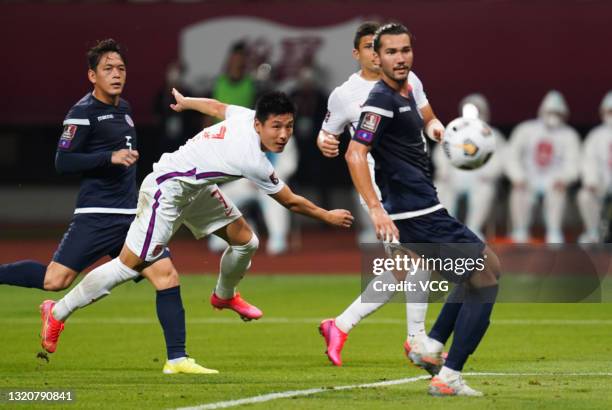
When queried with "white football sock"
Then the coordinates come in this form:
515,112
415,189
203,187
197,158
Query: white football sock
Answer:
416,303
175,361
234,263
367,303
96,284
447,373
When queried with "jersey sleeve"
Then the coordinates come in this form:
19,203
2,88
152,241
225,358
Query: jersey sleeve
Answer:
235,110
336,118
418,91
71,156
376,114
262,174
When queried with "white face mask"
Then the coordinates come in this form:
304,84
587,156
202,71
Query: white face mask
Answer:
552,120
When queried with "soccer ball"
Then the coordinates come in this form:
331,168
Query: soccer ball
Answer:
468,142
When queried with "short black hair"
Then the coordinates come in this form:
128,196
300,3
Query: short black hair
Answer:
367,28
108,45
273,103
390,28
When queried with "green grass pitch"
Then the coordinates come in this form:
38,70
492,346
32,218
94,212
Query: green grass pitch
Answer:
111,354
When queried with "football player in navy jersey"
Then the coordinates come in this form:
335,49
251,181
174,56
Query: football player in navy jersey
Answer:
99,143
391,129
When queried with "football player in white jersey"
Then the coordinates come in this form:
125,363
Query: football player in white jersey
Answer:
477,185
276,218
543,157
343,111
182,190
596,173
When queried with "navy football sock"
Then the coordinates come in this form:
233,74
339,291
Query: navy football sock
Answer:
27,274
445,323
171,316
472,323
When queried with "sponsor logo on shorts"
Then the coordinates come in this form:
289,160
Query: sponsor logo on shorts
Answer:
273,178
370,122
67,136
129,120
364,136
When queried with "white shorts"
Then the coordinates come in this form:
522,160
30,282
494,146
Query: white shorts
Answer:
162,211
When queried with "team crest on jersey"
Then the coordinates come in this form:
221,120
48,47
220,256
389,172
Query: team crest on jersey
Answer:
370,122
158,250
129,120
273,178
364,136
67,136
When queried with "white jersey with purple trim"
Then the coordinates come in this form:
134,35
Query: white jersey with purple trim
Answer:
223,152
346,101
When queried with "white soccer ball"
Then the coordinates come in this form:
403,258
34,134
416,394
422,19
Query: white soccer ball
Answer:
468,142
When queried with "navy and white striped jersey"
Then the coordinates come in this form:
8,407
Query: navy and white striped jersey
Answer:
92,131
392,126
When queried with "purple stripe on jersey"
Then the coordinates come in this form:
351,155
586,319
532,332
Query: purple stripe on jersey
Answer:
165,177
149,236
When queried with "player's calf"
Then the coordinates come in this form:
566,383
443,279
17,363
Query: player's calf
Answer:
58,277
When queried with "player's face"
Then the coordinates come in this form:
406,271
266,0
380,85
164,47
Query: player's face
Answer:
275,131
365,54
395,56
109,77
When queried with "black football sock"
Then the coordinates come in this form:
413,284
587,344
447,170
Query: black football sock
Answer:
27,274
445,323
171,316
472,323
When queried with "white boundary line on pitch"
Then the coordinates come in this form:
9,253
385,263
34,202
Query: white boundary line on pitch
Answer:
309,392
231,320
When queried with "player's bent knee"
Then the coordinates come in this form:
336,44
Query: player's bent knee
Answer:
58,277
162,274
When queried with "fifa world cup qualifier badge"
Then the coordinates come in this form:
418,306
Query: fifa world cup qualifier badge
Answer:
370,122
67,136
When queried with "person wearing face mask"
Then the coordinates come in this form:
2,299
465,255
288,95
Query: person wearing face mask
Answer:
543,156
596,173
477,185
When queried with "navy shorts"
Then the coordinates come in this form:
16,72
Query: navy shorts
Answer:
439,235
91,237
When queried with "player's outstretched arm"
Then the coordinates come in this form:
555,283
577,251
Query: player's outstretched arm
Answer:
356,158
298,204
207,106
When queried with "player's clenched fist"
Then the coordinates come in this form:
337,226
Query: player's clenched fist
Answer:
340,217
328,144
125,157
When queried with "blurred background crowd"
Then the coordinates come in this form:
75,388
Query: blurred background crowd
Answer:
537,71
